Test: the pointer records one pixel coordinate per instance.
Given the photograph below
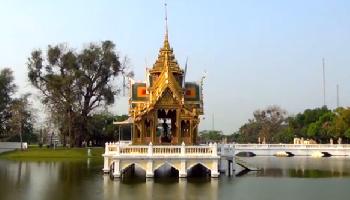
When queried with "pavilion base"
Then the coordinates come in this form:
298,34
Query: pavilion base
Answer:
150,158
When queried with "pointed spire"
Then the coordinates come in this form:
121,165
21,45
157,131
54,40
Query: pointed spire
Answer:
166,40
166,57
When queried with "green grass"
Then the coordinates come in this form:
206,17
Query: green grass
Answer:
45,154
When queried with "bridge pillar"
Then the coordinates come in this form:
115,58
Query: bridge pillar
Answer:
106,165
183,171
149,169
214,169
116,169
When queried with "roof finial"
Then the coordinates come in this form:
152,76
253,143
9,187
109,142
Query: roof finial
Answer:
166,42
166,21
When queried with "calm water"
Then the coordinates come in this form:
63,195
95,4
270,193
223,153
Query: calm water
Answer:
281,178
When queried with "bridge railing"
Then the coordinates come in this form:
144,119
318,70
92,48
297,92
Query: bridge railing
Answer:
291,146
194,150
115,149
226,149
161,150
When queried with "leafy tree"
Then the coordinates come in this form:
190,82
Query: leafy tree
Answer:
327,128
347,134
21,121
341,122
249,132
74,84
7,89
313,130
210,136
285,135
102,129
301,122
265,124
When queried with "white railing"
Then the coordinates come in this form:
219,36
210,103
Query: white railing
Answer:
193,150
226,149
160,150
115,149
291,146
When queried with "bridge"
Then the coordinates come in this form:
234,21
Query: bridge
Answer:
119,157
230,153
293,149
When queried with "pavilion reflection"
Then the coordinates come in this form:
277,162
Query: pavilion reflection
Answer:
180,189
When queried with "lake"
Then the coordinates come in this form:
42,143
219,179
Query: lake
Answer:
294,178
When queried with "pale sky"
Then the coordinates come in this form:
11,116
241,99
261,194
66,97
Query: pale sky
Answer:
256,53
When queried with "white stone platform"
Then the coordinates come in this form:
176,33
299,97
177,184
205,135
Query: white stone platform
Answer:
118,157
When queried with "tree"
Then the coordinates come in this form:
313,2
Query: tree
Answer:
347,134
210,136
21,121
7,89
313,130
75,84
300,124
272,120
102,129
341,123
267,123
249,132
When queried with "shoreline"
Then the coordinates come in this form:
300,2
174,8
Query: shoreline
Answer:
58,154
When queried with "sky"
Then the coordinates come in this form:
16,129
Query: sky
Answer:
255,53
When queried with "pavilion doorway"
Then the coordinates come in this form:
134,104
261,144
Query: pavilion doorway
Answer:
166,126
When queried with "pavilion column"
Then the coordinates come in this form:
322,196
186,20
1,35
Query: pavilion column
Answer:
191,131
180,131
142,131
134,135
178,126
154,127
195,132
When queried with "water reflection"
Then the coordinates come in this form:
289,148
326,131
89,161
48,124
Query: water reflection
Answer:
84,180
303,167
162,188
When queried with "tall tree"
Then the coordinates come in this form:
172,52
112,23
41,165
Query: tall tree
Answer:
74,84
267,124
303,124
21,120
7,89
341,123
271,121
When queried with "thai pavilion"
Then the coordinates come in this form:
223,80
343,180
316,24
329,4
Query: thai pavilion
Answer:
164,115
165,109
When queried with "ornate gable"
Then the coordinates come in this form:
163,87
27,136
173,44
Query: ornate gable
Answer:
167,99
166,80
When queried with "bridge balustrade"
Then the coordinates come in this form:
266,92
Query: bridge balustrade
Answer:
115,149
291,146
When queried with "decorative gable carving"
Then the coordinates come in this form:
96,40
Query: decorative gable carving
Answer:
167,99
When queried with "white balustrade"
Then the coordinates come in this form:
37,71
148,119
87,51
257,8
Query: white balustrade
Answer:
292,146
115,149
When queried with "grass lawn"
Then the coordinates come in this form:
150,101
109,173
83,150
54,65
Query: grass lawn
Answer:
38,154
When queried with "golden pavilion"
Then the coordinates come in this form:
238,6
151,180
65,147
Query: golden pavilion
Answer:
165,109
